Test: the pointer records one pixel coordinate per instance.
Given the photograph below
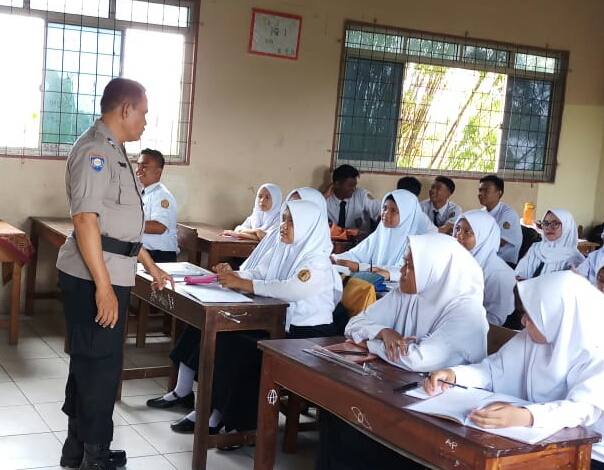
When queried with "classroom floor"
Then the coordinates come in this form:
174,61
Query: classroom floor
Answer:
32,426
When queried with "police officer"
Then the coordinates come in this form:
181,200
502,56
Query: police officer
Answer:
160,236
97,266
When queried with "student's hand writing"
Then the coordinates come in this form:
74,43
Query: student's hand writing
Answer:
395,345
382,272
222,268
352,265
501,415
229,279
432,384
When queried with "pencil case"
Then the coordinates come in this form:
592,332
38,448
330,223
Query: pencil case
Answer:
200,279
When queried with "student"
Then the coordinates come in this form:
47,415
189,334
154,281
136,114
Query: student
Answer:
558,250
297,270
349,206
272,235
490,192
382,251
264,214
591,266
556,362
414,186
438,207
435,316
478,233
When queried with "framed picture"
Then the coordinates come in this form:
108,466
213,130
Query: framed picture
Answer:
275,34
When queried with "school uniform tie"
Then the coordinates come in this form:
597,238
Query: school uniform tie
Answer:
342,215
435,217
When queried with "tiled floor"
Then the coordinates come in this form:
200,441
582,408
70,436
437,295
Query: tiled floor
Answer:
32,426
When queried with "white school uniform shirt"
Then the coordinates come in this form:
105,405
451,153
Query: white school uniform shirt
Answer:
385,247
263,220
558,255
499,278
563,378
446,315
591,265
300,273
509,225
448,213
361,209
160,205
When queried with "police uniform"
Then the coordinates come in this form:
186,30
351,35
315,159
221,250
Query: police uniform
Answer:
448,213
361,209
159,205
99,179
509,224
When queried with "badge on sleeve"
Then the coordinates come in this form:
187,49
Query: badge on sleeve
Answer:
304,275
97,161
165,203
370,196
451,215
506,225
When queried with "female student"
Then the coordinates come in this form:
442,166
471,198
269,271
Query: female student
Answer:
435,316
478,232
590,267
272,235
556,362
558,251
383,250
264,214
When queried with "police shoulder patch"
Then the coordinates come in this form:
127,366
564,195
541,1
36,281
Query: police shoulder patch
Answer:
97,161
506,225
304,275
165,203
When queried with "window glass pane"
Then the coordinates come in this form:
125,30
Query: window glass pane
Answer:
152,13
374,41
485,56
20,80
535,63
526,122
432,49
163,85
71,103
369,110
12,3
97,8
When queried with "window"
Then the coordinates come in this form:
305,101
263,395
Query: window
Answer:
70,49
422,103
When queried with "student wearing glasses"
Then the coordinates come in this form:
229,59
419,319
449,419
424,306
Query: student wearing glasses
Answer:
558,249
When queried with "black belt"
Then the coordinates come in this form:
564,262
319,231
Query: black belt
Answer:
118,247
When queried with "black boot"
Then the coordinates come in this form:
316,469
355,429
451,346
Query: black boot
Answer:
73,449
98,457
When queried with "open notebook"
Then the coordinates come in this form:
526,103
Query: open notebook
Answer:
457,403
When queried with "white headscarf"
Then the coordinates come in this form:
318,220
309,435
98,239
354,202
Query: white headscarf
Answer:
265,220
311,194
563,249
386,246
567,310
487,234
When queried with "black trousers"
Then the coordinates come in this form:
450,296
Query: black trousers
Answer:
95,364
160,256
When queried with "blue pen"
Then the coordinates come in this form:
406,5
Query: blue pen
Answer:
453,384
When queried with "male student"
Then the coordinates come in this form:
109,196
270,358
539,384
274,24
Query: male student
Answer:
160,237
349,206
441,211
490,191
414,186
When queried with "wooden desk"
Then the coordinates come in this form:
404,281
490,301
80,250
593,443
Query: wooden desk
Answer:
264,314
16,249
217,247
370,404
54,230
586,247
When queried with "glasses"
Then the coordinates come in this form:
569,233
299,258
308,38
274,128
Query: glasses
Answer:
554,224
466,232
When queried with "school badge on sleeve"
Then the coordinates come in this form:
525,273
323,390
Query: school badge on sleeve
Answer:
304,275
97,161
165,203
506,225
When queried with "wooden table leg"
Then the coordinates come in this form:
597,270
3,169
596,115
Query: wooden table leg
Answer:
30,286
268,418
13,335
213,256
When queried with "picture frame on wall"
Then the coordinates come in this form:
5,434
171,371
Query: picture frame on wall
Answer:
275,34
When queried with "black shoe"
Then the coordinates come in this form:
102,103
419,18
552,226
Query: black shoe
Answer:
183,426
186,402
213,430
118,457
97,457
230,448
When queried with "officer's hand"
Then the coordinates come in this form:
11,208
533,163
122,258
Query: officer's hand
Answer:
160,278
107,307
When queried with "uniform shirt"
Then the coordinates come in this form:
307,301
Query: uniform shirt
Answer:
361,209
509,224
100,179
448,213
159,205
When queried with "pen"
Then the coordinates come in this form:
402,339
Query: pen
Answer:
370,264
453,384
404,388
349,353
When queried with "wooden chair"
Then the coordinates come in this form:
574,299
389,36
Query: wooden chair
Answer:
497,336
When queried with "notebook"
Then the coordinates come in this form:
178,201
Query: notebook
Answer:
456,404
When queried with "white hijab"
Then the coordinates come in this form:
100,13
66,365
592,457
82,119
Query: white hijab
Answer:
563,249
567,310
386,246
487,234
265,220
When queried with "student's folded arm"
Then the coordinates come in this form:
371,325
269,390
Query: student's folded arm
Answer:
297,287
563,413
361,328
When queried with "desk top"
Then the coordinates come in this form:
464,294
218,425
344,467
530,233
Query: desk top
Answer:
378,392
61,225
212,233
15,242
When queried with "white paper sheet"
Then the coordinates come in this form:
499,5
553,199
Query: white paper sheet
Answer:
213,293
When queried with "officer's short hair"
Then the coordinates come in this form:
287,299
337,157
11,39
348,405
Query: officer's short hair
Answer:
410,183
448,182
119,91
156,155
343,172
496,180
